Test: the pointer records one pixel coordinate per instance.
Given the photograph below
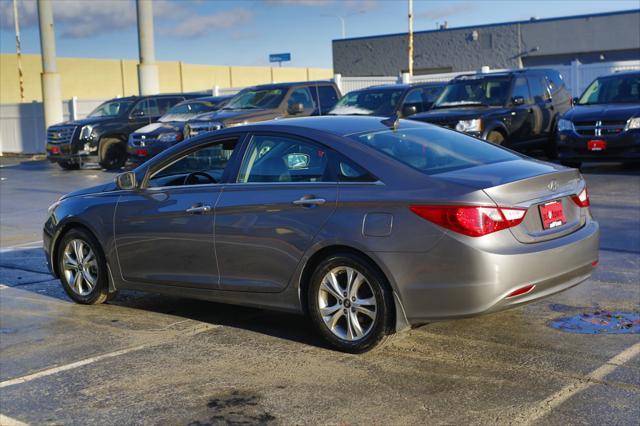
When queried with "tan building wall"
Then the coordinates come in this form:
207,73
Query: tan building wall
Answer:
108,78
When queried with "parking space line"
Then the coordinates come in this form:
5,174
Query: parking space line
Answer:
549,404
71,366
31,244
8,421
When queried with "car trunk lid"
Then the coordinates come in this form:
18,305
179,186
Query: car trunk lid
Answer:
538,187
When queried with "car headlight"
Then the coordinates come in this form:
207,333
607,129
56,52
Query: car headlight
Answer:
474,125
632,123
85,132
53,206
565,125
170,137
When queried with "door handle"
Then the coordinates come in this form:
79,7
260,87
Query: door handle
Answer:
309,201
198,209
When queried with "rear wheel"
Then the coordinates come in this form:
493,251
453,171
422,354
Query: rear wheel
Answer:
83,268
350,304
68,165
113,153
495,137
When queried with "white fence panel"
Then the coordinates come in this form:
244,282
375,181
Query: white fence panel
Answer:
22,128
348,84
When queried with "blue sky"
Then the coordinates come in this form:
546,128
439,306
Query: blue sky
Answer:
244,32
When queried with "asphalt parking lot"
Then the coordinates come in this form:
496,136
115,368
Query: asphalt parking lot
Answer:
164,360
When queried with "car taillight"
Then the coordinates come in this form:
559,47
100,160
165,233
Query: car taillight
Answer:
142,152
582,199
474,221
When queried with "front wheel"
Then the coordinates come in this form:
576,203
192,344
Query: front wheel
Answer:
350,304
83,268
495,137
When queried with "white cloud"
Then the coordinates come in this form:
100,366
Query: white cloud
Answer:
84,18
198,26
313,3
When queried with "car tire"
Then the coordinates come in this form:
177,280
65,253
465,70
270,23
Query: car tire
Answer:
68,165
83,268
572,164
113,153
495,137
359,321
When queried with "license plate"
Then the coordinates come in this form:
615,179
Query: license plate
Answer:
596,145
552,214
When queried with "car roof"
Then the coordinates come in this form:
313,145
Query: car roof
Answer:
289,84
622,73
401,86
340,125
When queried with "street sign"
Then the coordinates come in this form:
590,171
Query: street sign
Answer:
279,57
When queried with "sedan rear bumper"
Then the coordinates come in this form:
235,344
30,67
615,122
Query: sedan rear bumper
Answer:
456,279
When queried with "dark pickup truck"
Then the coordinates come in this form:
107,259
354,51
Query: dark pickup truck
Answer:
268,102
102,136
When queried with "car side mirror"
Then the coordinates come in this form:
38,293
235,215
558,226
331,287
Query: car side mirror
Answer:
296,109
575,101
409,110
126,181
517,100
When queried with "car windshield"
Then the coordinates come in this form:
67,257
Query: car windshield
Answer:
187,110
612,90
487,91
111,109
381,102
432,150
256,98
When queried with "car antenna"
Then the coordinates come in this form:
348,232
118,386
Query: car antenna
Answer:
392,122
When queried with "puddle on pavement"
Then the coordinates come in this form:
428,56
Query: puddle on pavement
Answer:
599,322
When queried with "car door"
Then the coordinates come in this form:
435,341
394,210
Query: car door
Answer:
284,193
327,97
164,231
525,117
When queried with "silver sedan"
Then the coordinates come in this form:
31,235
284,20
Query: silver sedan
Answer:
367,226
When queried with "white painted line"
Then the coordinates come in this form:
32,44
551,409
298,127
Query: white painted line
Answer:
8,421
32,244
545,407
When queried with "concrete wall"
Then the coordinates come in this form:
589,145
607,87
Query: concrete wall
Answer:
108,78
541,42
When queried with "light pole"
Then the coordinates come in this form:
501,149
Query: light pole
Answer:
51,92
342,21
148,82
410,48
18,49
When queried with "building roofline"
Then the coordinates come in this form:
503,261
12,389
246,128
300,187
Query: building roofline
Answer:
497,24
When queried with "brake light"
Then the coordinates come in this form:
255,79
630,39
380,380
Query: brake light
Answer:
582,199
142,152
474,221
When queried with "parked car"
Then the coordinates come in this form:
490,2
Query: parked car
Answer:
366,225
102,136
154,138
518,109
400,100
604,124
268,102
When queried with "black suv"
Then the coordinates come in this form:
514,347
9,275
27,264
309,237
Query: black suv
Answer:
267,102
604,124
102,136
516,108
400,100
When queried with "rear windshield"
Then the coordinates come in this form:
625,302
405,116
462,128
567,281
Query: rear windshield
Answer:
432,149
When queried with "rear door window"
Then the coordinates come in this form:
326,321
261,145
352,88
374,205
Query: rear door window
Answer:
165,104
301,95
539,88
327,97
432,149
521,88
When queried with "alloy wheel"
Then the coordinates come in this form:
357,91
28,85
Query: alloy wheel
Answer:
347,303
80,267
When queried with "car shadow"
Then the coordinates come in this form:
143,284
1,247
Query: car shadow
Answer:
26,270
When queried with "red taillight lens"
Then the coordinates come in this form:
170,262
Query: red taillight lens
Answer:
473,221
582,199
142,152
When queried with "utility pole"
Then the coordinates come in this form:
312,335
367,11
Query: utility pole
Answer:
18,49
51,92
148,82
410,38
